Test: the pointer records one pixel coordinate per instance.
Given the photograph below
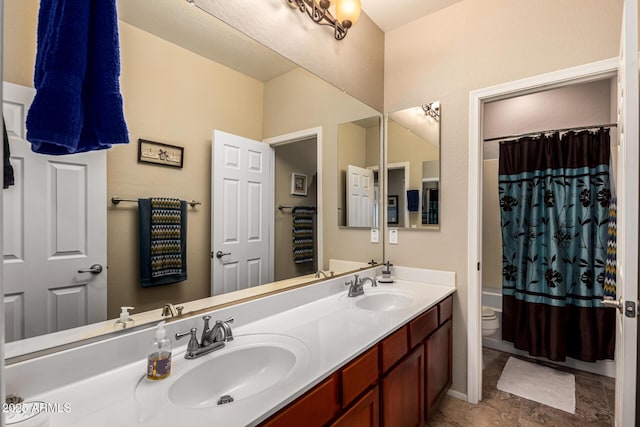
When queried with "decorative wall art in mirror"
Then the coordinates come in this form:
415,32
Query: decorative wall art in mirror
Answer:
413,166
184,75
358,169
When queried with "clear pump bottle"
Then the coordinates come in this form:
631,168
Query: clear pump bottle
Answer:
159,360
125,321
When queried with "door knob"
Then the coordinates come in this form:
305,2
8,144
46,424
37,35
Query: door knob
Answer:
612,303
220,254
94,269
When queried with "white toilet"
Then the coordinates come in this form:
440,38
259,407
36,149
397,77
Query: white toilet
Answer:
490,322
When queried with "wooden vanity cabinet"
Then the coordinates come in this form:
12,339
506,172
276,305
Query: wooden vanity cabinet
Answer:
397,382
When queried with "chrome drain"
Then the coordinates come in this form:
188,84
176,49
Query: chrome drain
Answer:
225,399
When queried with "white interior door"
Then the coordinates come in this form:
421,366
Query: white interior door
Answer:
627,244
360,199
241,199
54,225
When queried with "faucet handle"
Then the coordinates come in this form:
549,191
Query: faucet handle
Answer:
193,345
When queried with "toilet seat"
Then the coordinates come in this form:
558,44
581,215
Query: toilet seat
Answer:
488,313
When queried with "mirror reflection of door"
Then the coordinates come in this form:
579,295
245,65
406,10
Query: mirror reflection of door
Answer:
413,165
360,197
54,232
358,169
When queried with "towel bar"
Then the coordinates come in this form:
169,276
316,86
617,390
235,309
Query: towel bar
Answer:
116,200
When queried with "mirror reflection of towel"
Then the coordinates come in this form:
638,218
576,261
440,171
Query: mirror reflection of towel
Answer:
413,200
303,234
78,105
163,241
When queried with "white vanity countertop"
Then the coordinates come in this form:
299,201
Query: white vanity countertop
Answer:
333,329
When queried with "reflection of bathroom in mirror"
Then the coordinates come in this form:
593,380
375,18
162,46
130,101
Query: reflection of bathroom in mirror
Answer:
358,168
184,74
413,167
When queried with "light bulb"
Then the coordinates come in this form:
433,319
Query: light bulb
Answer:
348,12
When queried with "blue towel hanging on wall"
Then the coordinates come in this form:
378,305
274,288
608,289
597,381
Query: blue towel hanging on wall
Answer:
78,105
163,241
413,200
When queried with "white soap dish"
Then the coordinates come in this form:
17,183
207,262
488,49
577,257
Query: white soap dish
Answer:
389,279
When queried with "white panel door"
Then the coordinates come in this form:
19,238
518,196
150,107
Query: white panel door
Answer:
360,197
627,244
241,198
54,226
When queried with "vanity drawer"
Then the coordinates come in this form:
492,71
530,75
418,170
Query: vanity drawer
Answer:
316,408
393,348
446,309
359,375
422,326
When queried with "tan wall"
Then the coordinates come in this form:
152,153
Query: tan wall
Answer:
298,100
19,44
297,157
479,44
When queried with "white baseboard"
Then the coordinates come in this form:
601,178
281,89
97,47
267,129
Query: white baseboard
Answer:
457,394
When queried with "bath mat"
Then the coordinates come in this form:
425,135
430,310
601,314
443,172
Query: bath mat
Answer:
539,383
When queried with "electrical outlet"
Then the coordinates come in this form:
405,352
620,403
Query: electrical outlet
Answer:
375,236
393,236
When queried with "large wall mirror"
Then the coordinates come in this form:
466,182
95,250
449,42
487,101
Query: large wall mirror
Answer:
413,167
184,75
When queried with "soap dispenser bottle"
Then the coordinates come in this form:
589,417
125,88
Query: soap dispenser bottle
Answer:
125,321
159,360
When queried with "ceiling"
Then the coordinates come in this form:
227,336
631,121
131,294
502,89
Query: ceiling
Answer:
390,14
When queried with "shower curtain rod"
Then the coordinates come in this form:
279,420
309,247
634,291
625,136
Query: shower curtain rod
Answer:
610,125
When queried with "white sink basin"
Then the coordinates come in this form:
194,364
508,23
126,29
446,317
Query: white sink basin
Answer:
381,299
386,301
245,367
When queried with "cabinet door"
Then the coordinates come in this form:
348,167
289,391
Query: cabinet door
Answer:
438,366
365,413
316,408
403,392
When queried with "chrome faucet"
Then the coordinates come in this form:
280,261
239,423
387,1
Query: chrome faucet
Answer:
356,286
212,339
320,272
169,310
221,331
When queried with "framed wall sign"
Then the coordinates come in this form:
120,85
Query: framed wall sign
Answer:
160,154
392,209
298,184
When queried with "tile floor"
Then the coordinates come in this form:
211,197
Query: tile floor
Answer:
594,403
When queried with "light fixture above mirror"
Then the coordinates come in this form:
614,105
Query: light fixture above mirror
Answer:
432,110
347,13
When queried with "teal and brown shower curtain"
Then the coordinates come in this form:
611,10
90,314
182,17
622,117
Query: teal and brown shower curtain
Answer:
554,201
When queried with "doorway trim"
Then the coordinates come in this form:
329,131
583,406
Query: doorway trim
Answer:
477,98
288,139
